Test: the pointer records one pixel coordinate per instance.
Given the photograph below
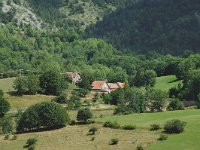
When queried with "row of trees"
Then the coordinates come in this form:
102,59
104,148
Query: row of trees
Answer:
140,100
50,82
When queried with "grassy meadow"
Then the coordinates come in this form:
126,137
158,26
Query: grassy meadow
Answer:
167,82
20,102
186,141
76,137
6,85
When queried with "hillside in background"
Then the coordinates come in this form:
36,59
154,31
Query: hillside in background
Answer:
171,26
56,13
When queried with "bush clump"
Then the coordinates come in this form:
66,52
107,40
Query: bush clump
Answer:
113,125
155,127
62,99
7,125
162,137
4,105
139,147
30,144
114,141
31,141
46,115
175,104
93,130
72,122
84,114
128,127
174,126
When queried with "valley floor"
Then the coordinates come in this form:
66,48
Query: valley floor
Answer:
76,137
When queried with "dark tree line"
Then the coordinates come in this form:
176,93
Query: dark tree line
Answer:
165,26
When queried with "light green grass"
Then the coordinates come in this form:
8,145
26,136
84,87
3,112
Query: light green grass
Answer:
166,82
189,140
6,84
20,102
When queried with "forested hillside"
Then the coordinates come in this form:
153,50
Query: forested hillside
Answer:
171,26
83,12
56,13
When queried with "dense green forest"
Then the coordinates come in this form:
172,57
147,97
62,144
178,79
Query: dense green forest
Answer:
26,49
164,26
81,62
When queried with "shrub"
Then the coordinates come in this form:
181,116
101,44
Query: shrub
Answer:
31,147
4,105
7,125
74,102
175,104
174,126
162,137
84,114
113,125
122,110
93,130
82,92
72,122
31,141
21,85
155,127
139,147
129,127
42,116
114,141
62,99
92,139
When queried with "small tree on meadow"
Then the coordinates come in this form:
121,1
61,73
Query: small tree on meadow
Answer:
7,125
84,114
42,116
62,99
4,105
20,85
51,82
93,130
175,104
156,99
33,84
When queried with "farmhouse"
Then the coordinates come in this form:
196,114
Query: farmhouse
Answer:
74,76
104,87
115,86
100,87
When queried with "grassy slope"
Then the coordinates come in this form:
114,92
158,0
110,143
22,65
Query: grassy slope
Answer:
76,138
20,102
186,141
166,82
6,85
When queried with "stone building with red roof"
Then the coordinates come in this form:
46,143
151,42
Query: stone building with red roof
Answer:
104,87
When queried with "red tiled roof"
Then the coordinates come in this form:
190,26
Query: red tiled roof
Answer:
97,85
113,85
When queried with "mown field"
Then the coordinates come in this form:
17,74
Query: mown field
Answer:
186,141
167,82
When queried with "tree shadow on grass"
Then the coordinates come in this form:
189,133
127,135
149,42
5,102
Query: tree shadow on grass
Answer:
173,81
42,129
